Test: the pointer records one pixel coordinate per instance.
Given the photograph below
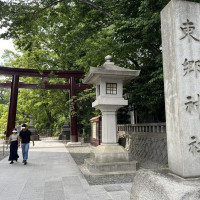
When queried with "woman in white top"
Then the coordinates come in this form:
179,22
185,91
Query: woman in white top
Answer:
13,141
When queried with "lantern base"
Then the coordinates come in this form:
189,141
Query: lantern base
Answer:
111,167
110,158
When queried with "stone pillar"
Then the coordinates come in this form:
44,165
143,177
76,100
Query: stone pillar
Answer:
109,151
181,62
109,127
32,129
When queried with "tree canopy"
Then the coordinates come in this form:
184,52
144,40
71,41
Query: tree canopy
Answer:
77,34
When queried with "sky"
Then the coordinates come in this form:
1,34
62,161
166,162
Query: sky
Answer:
5,45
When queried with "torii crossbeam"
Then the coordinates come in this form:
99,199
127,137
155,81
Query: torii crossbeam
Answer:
15,85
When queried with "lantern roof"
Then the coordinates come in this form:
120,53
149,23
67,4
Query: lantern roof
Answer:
109,69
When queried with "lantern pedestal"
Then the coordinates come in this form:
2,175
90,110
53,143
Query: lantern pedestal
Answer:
106,153
108,158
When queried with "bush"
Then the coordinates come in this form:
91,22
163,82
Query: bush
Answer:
2,136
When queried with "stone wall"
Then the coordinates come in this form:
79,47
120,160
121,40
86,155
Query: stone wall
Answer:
144,145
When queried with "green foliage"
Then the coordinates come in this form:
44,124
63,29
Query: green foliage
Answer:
4,95
47,107
3,117
74,35
2,136
85,111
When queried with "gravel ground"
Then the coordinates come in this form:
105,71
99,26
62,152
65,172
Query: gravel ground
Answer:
79,153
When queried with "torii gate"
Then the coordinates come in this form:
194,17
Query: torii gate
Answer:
15,85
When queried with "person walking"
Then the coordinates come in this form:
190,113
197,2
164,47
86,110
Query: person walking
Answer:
13,141
25,136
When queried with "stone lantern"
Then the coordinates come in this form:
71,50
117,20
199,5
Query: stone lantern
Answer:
109,80
32,129
65,131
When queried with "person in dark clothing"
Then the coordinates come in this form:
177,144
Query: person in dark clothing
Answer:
13,141
25,136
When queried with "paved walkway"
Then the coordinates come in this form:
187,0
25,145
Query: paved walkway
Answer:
52,174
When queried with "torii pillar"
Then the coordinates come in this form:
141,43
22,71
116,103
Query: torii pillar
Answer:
13,105
73,115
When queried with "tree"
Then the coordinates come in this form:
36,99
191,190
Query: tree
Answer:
4,100
77,34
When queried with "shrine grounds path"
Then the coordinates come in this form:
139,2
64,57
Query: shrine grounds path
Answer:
52,174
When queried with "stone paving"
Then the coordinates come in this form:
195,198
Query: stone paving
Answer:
52,174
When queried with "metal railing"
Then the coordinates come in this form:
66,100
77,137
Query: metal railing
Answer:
143,128
48,132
